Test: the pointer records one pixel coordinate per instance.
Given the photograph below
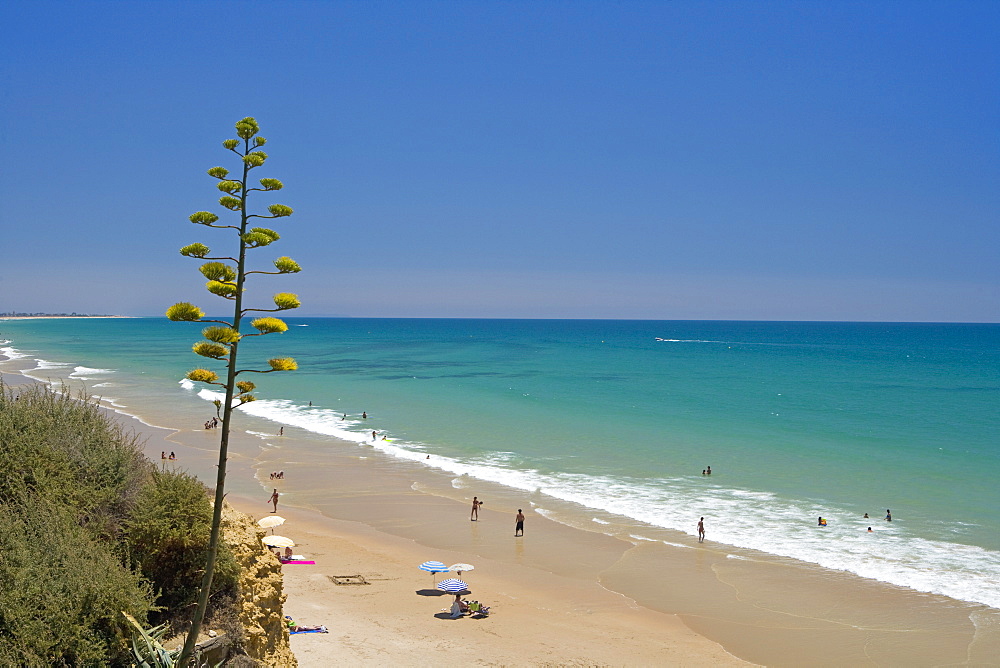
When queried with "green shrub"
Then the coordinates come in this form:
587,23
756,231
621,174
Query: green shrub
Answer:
168,534
71,453
91,530
61,591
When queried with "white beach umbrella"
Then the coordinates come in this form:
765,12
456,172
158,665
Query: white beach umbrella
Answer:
277,541
270,522
461,568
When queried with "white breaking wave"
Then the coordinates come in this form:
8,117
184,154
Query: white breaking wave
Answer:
86,373
42,365
12,353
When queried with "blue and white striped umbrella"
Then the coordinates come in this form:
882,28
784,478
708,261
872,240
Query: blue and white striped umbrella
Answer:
452,585
433,567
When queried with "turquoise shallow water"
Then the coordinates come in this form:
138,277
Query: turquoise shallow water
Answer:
796,420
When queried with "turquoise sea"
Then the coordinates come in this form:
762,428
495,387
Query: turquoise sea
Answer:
796,420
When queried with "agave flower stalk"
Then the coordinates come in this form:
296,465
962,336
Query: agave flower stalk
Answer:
227,277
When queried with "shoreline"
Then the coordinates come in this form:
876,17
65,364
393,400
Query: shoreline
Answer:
737,602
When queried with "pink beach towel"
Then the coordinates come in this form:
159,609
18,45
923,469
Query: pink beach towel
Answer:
298,561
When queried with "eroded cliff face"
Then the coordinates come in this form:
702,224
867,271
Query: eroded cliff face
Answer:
261,598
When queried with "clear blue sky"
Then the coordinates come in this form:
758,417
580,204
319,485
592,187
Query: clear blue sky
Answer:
664,160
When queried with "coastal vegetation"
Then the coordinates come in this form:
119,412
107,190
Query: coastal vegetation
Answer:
92,530
227,275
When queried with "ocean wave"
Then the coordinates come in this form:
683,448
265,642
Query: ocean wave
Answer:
689,341
12,353
43,365
86,373
668,543
644,539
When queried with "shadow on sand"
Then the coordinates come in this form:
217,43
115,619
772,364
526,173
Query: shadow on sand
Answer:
447,615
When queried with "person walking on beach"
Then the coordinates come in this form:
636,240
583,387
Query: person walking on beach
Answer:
274,500
519,524
701,530
475,509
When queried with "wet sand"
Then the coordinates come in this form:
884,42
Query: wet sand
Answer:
564,593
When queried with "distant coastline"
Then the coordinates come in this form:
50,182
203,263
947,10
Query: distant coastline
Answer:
38,316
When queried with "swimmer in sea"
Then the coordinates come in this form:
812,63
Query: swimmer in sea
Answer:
888,515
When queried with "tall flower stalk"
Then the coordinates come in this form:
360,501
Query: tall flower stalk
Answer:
227,276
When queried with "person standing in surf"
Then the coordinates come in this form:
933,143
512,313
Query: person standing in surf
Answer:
701,530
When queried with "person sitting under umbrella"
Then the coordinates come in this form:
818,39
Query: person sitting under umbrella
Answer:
459,607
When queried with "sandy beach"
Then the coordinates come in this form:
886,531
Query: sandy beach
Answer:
561,595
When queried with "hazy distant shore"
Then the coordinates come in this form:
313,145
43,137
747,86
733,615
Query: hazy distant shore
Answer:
59,317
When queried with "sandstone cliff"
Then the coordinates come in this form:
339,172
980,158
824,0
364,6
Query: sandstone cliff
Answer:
261,600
